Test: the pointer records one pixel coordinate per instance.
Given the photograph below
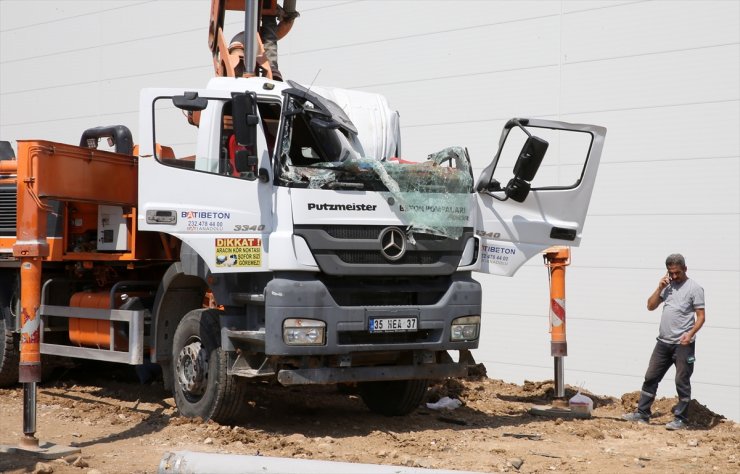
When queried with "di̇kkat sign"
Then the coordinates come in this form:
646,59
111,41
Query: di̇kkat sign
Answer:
236,252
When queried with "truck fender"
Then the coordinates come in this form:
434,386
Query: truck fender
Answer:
193,264
179,292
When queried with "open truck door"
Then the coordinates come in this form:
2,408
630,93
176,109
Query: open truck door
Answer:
536,191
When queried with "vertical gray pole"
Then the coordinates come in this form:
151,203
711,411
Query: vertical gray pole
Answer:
29,416
251,30
559,376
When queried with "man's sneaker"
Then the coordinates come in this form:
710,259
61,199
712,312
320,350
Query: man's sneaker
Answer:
635,417
676,424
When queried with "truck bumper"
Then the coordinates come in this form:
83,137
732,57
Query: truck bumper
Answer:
302,296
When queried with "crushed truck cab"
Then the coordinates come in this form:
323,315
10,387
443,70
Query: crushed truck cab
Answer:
263,230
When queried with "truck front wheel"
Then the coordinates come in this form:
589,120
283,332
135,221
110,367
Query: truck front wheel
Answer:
202,387
394,397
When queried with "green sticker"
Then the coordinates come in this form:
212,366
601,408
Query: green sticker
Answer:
691,359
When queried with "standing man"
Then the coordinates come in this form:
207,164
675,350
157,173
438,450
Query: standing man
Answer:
682,298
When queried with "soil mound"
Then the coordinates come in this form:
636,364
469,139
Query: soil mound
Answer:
699,415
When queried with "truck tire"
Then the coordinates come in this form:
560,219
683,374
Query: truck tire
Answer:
9,355
394,397
9,340
201,386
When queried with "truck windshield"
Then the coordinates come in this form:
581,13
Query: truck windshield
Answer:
320,149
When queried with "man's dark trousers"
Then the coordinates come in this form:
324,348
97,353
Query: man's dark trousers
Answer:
665,355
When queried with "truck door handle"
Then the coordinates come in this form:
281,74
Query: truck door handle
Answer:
562,233
157,216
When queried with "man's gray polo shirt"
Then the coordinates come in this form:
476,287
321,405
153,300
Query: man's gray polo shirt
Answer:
679,302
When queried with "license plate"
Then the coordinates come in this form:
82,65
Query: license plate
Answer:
392,324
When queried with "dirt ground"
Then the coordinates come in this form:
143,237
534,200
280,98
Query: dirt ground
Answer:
122,426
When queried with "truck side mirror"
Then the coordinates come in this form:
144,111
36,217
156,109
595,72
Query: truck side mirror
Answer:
526,167
244,113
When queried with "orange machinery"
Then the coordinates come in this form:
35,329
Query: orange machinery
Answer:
229,59
67,187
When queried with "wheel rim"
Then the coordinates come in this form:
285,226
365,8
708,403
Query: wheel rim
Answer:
192,369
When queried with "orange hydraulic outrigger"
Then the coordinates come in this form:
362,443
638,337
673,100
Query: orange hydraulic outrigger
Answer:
556,259
30,248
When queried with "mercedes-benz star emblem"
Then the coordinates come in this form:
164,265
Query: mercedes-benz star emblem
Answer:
392,243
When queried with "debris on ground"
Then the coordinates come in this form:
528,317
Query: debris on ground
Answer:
122,426
444,403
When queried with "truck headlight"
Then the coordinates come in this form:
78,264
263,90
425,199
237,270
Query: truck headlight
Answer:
466,328
304,332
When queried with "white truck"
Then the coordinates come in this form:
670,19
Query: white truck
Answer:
282,238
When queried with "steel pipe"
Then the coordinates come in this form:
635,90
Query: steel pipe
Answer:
251,30
190,462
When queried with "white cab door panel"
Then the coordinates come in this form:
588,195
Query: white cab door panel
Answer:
553,211
187,188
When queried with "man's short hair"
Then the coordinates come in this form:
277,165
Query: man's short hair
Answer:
675,259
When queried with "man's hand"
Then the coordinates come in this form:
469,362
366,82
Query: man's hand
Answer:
654,299
685,339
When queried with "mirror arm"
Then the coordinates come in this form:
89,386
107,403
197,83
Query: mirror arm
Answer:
517,123
505,198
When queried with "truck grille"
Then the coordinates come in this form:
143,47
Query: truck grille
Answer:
356,250
364,258
371,291
8,209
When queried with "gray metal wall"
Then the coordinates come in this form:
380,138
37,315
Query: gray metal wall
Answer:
662,76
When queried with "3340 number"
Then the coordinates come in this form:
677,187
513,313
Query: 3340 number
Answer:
249,228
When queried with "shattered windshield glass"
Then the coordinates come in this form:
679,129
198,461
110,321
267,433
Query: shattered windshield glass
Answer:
320,149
